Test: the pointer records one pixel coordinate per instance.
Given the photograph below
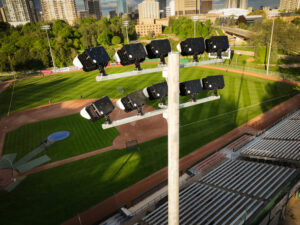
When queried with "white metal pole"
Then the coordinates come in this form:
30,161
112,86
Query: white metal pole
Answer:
173,138
194,28
127,34
50,49
270,48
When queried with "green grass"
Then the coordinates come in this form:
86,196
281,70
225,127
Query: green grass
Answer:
60,193
84,136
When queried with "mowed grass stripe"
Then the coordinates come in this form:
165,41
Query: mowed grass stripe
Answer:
85,136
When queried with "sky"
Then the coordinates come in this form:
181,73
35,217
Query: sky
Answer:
108,5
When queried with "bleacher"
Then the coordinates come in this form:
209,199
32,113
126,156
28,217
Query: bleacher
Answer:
281,143
205,164
117,219
240,142
230,194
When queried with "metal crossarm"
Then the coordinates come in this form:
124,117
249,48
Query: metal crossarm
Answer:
157,112
154,70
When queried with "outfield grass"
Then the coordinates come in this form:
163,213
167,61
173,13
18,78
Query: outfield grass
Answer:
53,196
84,136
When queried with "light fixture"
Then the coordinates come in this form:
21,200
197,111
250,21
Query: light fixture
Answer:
217,44
158,49
213,83
131,54
191,87
192,46
92,59
133,101
157,91
98,109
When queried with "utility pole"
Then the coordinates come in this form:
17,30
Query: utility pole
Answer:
195,18
47,27
173,138
126,23
270,48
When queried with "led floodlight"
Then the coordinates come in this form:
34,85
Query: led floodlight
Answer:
192,46
131,54
92,59
217,44
191,87
98,109
213,83
158,49
133,101
157,91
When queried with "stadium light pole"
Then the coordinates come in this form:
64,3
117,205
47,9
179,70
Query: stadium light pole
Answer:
47,27
195,18
173,138
126,23
270,48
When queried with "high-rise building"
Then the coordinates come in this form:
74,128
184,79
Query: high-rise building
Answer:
122,7
170,8
19,12
289,5
80,5
148,9
59,9
2,15
94,8
243,4
112,14
206,5
162,8
187,7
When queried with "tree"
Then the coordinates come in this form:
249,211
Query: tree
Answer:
116,40
105,37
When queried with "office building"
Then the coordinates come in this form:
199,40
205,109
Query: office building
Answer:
80,5
2,15
94,8
122,7
18,12
289,5
187,7
206,5
112,14
162,8
170,8
59,9
148,9
146,29
242,4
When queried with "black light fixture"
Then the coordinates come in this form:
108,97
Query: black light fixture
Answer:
92,59
157,91
131,54
217,44
192,46
158,49
191,87
98,109
133,101
213,83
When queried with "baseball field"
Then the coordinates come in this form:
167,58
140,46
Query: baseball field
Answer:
51,196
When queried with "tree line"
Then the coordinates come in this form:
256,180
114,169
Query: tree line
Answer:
26,47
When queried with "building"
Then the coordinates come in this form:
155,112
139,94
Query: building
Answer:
170,8
187,7
148,9
2,15
94,8
230,12
206,5
112,14
59,9
163,21
122,7
145,29
82,14
242,4
18,12
80,5
289,5
162,8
